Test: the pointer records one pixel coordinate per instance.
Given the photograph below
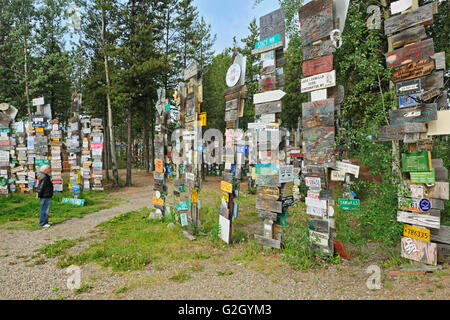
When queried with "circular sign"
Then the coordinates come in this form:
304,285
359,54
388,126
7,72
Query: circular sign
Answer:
233,75
425,205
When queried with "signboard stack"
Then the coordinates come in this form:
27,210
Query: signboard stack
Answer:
421,196
272,170
73,143
55,156
321,23
5,148
235,145
96,139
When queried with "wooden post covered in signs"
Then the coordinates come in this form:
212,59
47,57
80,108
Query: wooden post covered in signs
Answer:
160,145
425,184
272,168
322,22
235,146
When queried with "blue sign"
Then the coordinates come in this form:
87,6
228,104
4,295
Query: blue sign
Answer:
242,149
168,170
200,149
351,192
233,169
409,101
76,187
425,205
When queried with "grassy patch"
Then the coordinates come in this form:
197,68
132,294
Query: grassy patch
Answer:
85,287
131,242
21,211
59,248
180,276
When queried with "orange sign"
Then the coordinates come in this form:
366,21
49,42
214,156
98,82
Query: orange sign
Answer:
159,166
159,202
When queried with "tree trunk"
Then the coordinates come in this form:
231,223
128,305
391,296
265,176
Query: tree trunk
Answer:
146,143
105,144
129,145
27,90
108,100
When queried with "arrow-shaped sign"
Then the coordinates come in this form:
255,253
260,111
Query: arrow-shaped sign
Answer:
268,96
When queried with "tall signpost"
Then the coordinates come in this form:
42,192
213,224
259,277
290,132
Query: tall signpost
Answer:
321,23
415,66
235,146
272,169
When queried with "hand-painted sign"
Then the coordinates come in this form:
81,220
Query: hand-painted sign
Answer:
419,68
318,114
410,53
398,131
408,87
286,174
349,204
316,66
316,20
227,187
416,232
416,162
318,238
270,107
183,206
337,175
77,202
408,101
420,251
348,168
322,49
38,101
418,219
319,81
272,24
409,36
421,15
313,182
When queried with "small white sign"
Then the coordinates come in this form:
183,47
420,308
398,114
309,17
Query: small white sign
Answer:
400,6
233,75
319,81
38,101
286,174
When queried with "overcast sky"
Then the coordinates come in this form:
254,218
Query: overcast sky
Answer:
229,18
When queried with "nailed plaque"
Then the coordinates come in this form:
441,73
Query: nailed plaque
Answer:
413,70
316,66
319,81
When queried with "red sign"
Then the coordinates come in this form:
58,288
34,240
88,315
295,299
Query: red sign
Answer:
319,65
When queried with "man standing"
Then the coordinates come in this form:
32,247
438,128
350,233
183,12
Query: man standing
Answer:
44,191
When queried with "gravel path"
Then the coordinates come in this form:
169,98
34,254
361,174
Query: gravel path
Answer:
24,275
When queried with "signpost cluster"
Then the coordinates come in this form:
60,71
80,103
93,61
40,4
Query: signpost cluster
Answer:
321,23
235,145
271,168
418,77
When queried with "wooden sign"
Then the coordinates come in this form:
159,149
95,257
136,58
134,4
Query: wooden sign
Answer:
420,251
268,205
316,203
422,15
418,219
441,125
425,145
410,53
433,81
227,187
270,107
231,115
266,242
337,175
267,83
439,191
319,238
159,166
191,71
316,66
267,215
348,168
272,24
267,180
286,174
318,140
413,70
416,162
423,177
317,212
319,225
408,87
318,114
318,95
324,48
316,20
416,233
409,36
319,81
398,131
269,96
442,235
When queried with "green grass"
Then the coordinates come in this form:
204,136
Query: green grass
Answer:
132,242
21,211
59,248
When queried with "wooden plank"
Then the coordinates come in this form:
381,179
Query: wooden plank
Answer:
422,15
322,49
397,132
190,71
439,191
417,69
433,81
234,90
439,60
270,47
420,251
416,233
267,180
318,114
316,66
269,107
410,53
266,242
406,37
228,177
268,205
319,81
272,24
271,83
267,215
269,96
313,7
318,141
319,238
419,219
319,225
442,235
441,174
443,252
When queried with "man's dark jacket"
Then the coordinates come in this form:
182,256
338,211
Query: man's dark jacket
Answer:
45,186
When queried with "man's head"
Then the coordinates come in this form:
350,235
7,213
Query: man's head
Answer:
45,169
